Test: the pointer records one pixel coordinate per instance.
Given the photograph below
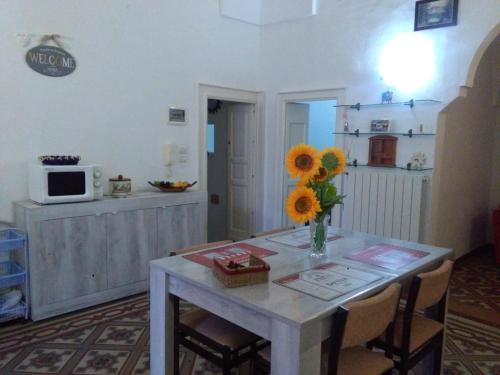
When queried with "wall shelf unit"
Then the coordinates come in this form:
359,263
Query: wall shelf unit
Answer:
410,133
357,165
371,136
410,103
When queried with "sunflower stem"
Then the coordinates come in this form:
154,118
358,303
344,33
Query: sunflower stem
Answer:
318,235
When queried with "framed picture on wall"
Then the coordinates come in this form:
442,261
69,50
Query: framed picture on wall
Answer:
430,14
380,126
177,116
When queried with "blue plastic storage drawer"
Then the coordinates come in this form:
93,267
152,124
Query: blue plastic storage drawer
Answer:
17,311
11,274
11,239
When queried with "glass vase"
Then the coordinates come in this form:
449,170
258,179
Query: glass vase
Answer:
319,234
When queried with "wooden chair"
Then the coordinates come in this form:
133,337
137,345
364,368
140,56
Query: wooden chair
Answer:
272,231
416,335
215,339
353,326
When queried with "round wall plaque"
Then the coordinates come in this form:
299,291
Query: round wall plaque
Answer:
50,61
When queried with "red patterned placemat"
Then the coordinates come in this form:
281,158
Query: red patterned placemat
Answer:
238,252
387,256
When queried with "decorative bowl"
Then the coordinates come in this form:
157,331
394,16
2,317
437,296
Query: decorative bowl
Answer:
168,187
59,159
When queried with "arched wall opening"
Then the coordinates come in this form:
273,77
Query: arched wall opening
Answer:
466,177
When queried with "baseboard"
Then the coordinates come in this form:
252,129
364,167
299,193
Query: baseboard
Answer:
473,252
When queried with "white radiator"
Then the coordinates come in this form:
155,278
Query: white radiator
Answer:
385,204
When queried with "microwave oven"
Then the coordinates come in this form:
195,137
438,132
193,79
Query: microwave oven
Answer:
65,183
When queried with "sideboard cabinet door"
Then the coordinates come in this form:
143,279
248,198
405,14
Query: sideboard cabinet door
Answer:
178,227
131,245
69,260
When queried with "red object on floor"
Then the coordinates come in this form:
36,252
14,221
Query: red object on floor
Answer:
496,232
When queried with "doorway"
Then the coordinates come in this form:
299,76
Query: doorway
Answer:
312,122
243,171
230,147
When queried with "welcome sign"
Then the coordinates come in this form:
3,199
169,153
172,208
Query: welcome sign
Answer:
50,61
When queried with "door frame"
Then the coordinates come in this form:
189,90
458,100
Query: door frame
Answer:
207,91
292,97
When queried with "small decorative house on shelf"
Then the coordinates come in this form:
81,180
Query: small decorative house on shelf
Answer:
382,151
234,274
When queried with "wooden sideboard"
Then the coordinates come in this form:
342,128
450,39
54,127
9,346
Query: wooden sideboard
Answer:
83,254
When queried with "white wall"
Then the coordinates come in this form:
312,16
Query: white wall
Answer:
340,47
464,174
495,156
134,60
495,167
243,10
274,11
263,12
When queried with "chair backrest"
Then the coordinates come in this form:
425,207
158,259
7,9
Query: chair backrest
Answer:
369,318
362,321
433,286
272,231
426,290
202,246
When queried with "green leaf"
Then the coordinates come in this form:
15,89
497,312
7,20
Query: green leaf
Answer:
326,193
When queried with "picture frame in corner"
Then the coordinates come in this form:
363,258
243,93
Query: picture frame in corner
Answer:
431,14
177,116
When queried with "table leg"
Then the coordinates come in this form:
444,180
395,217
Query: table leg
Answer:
294,350
161,324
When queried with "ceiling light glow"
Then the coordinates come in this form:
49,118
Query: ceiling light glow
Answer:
407,62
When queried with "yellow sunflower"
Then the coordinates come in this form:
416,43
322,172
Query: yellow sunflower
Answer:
322,175
302,204
302,183
303,161
338,158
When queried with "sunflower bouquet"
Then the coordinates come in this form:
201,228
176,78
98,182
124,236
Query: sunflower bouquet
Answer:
315,194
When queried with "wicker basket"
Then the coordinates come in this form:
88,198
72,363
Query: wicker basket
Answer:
256,272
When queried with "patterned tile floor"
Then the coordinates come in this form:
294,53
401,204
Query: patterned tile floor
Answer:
475,287
471,348
113,339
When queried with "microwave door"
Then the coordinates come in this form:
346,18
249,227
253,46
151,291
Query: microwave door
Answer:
68,186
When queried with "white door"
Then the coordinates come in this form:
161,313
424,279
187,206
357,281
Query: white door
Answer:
297,126
241,175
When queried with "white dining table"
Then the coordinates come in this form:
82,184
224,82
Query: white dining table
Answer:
295,322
